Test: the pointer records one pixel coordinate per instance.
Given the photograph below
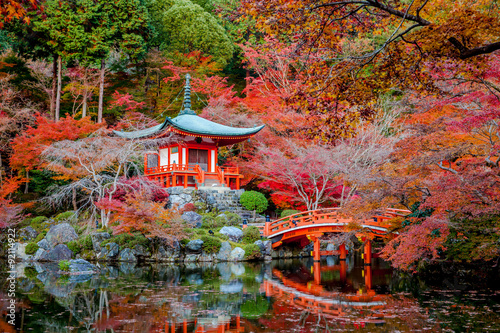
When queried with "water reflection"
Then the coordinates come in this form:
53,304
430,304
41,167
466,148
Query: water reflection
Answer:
281,296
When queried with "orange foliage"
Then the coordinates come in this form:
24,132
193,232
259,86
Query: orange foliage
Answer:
28,146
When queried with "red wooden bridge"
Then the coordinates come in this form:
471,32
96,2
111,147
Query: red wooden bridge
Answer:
310,225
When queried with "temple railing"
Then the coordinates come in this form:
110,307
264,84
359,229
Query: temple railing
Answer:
200,174
171,168
220,174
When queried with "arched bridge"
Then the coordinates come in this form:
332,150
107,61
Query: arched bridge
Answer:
310,225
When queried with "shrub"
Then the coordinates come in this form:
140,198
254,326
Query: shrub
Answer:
31,248
232,219
251,234
41,235
189,207
30,273
69,215
253,200
86,243
36,222
288,212
252,251
64,265
211,244
74,246
126,240
210,221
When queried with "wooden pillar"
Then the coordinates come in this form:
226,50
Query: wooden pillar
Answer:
267,229
184,326
317,272
166,327
185,180
343,252
368,277
172,328
316,252
367,255
238,322
238,182
174,180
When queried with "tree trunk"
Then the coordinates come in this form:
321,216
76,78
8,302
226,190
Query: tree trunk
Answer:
85,94
101,92
27,181
59,79
54,88
75,208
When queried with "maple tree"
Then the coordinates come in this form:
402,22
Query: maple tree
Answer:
10,9
10,213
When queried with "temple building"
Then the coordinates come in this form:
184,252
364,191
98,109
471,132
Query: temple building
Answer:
190,159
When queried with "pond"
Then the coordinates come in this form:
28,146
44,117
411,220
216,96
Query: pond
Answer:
279,296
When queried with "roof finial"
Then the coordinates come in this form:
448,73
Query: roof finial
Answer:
186,107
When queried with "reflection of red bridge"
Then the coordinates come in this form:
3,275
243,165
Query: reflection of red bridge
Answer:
207,326
310,225
312,297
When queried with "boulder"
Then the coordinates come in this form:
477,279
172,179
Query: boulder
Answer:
97,239
191,257
60,234
109,252
268,248
40,253
43,244
20,249
179,200
127,255
168,252
194,246
224,252
192,218
233,233
27,234
58,253
237,254
140,252
81,266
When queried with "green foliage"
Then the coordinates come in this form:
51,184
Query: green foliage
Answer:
37,223
64,265
210,221
30,273
253,200
187,27
127,241
211,244
254,309
42,180
74,246
288,212
41,235
251,234
474,239
252,252
232,219
69,215
31,248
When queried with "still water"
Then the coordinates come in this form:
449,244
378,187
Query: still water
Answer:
280,296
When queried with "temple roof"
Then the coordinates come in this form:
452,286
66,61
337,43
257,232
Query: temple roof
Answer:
188,123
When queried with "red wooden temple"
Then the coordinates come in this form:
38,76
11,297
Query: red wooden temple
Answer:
190,157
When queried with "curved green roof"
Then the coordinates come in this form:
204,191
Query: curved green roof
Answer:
191,124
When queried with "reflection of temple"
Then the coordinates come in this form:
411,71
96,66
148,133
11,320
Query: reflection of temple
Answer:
221,324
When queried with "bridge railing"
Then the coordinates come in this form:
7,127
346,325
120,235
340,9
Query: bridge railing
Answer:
327,215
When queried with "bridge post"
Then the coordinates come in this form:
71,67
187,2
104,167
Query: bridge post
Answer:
316,252
343,252
317,273
367,255
266,229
